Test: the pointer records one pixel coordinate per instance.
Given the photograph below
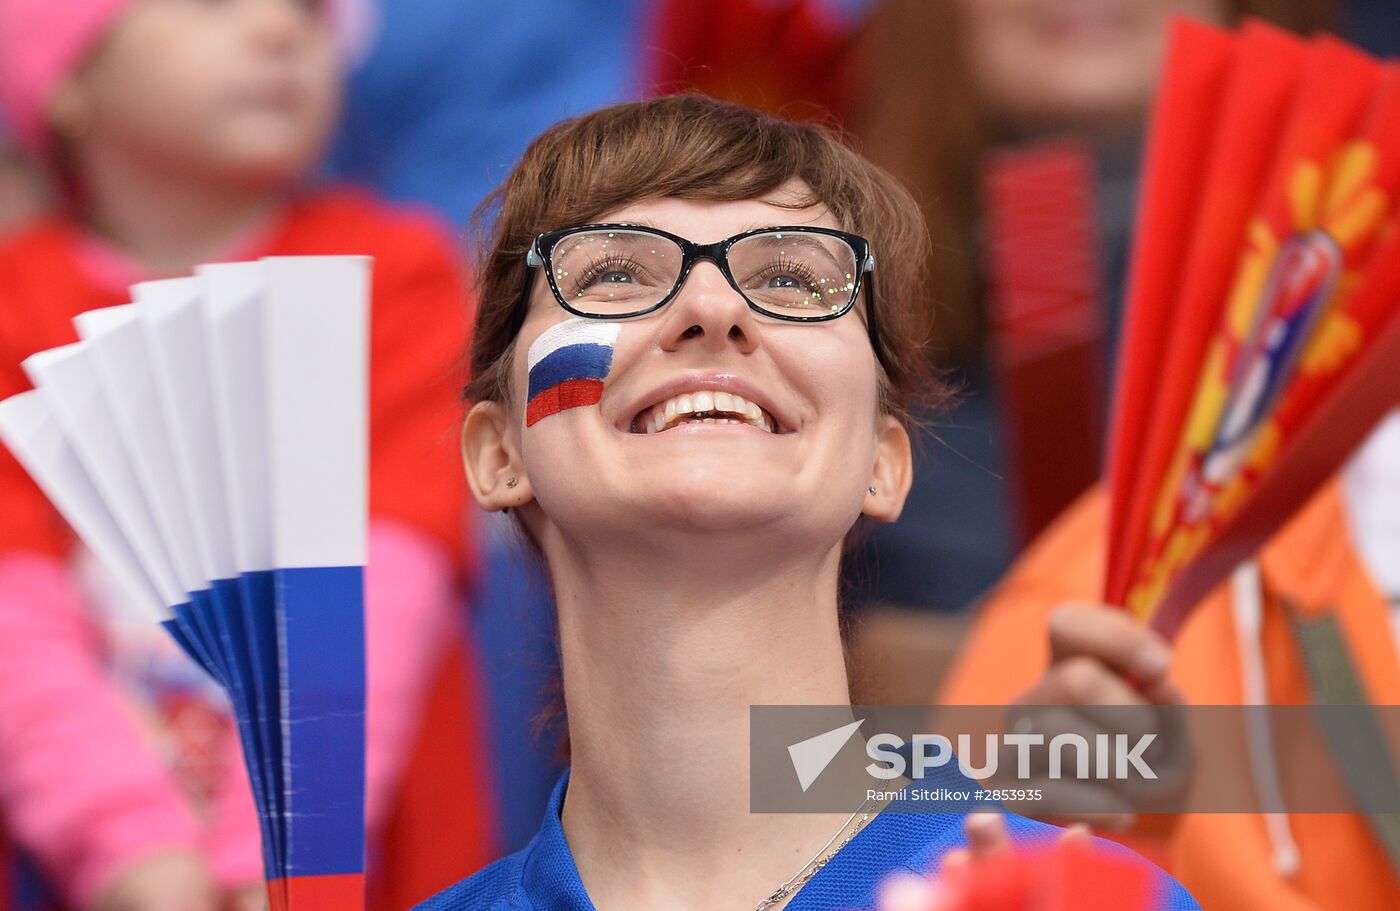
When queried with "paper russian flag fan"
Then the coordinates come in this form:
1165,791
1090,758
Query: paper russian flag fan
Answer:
208,443
1262,339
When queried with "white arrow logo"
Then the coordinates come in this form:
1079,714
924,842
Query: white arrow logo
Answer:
810,757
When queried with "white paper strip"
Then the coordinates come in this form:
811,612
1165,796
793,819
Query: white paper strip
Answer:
233,332
118,347
67,380
30,431
170,314
316,337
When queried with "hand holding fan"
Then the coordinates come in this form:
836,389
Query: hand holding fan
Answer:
209,444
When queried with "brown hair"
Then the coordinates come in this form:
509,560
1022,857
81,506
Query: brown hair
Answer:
931,132
697,147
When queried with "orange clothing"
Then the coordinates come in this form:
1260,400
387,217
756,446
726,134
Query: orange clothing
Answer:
1224,860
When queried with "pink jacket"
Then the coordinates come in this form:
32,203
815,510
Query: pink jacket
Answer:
82,791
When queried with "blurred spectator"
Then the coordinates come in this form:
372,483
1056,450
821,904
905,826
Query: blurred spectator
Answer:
954,86
22,189
180,133
452,91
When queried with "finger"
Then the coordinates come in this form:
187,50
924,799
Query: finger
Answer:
1086,680
1072,756
1076,837
1112,636
955,861
1081,693
1164,692
986,834
1049,721
1172,758
905,892
1063,801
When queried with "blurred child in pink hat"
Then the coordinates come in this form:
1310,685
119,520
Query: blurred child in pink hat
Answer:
181,132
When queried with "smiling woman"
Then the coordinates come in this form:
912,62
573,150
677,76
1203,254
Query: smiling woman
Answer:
690,290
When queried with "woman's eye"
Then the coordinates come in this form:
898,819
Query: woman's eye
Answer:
786,275
610,272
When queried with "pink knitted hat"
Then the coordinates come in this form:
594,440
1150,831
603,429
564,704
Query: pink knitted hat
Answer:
42,40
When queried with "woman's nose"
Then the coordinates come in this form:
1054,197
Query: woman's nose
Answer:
708,312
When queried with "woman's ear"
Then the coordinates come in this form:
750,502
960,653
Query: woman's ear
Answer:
491,457
892,473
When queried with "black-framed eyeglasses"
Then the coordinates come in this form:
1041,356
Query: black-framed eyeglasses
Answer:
797,274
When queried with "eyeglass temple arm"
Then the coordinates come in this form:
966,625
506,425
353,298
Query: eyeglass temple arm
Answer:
869,268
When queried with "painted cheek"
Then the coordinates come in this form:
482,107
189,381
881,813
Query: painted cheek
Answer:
568,365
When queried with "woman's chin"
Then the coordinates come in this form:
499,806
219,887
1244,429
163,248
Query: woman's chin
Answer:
739,508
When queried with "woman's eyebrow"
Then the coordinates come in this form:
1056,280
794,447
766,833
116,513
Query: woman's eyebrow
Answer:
804,241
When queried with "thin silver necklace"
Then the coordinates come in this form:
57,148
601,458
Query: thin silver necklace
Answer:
820,859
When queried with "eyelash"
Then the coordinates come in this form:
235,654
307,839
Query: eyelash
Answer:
610,263
783,264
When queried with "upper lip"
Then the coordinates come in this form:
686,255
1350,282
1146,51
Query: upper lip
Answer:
704,382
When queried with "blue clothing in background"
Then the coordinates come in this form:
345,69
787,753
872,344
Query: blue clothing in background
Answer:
1373,24
454,90
544,877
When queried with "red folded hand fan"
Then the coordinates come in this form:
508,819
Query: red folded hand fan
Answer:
1262,338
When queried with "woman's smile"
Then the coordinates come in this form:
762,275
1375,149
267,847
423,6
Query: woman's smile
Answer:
710,401
701,407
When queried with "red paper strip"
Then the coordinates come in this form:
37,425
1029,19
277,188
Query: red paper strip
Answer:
1258,96
1198,63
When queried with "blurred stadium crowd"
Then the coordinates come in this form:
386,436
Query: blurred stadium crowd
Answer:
383,126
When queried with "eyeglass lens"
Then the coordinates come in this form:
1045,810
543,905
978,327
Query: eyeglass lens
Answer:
788,273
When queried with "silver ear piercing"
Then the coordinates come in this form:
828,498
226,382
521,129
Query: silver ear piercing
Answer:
871,489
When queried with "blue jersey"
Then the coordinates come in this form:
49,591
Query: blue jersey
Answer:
543,876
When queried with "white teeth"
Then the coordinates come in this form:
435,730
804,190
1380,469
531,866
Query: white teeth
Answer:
730,408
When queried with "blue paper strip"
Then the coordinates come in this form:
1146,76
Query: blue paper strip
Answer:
249,712
258,599
320,613
187,632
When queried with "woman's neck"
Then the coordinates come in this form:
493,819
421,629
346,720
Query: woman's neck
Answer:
168,221
662,659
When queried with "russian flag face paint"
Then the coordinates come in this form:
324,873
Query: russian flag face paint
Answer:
568,364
